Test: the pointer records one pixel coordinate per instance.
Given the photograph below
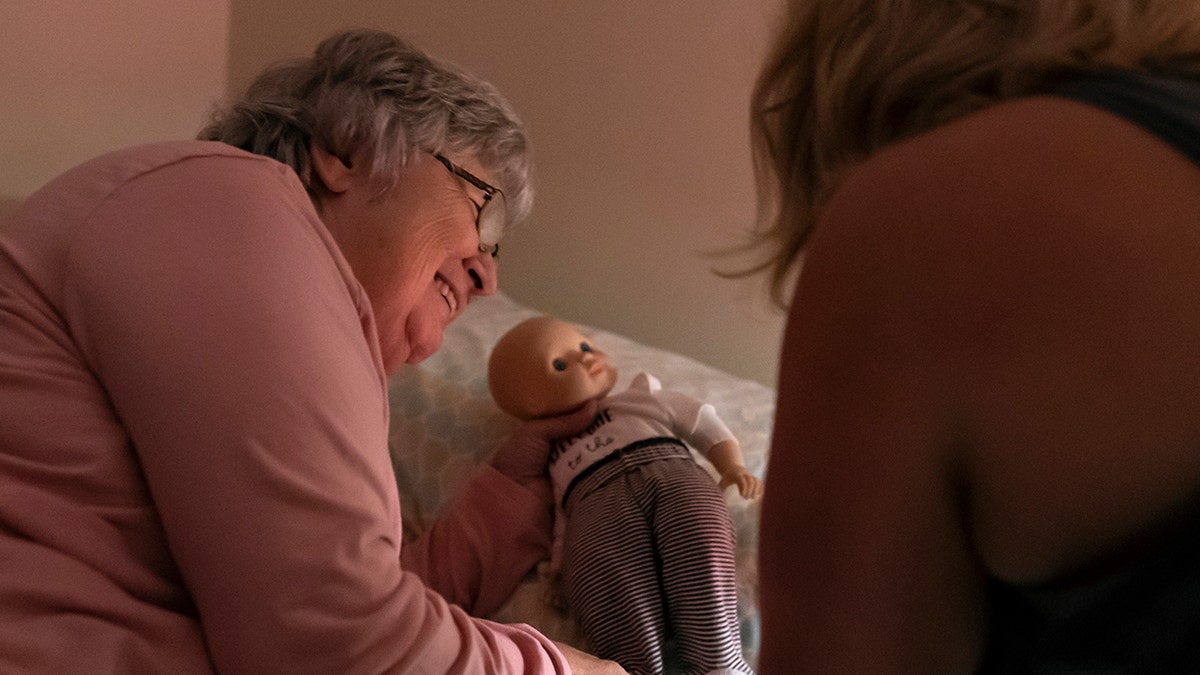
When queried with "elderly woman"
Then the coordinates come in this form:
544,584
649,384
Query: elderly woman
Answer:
194,471
986,453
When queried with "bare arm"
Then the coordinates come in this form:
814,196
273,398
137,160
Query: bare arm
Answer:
983,371
865,566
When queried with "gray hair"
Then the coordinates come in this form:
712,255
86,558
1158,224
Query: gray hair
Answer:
847,77
372,92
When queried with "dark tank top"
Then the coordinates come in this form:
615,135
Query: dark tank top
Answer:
1139,613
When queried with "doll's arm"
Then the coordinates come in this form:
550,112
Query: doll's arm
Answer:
726,456
706,429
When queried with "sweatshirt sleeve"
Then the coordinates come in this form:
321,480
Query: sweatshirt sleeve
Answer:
211,303
489,538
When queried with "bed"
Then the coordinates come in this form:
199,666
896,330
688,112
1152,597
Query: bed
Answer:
444,424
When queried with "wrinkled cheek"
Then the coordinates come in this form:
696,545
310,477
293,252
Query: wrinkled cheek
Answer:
397,303
392,318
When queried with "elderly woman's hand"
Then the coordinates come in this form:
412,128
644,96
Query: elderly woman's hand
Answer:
523,455
583,663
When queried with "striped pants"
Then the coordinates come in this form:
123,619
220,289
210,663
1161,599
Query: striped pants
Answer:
649,553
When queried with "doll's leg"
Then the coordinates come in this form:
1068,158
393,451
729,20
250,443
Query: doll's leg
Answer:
696,541
611,580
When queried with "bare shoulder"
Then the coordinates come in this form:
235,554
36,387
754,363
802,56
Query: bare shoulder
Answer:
1019,160
1033,267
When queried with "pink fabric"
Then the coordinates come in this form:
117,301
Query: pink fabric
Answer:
473,555
193,444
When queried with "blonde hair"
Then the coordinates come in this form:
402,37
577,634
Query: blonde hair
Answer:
847,77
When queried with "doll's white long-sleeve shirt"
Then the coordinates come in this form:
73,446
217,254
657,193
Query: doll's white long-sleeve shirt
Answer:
642,411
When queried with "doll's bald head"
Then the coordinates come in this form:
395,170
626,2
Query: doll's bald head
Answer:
543,367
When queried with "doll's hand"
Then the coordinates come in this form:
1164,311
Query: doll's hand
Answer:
522,456
748,485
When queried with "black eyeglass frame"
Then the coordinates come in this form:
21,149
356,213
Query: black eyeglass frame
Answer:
489,191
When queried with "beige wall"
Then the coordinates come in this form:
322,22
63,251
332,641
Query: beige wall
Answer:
81,77
638,115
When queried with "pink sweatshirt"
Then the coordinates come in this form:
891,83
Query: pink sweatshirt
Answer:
194,469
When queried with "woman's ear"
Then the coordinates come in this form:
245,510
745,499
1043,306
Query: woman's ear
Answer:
335,173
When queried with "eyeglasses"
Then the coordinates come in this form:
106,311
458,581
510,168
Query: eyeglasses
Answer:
490,216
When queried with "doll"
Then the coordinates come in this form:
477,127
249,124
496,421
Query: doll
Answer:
643,535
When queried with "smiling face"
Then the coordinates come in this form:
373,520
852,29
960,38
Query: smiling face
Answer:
413,248
544,367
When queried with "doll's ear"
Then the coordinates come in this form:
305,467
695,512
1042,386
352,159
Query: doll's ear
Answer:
336,174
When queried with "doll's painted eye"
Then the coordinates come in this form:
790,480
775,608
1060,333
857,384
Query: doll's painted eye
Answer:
585,348
559,365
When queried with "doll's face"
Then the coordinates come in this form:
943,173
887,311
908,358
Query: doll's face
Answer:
544,367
